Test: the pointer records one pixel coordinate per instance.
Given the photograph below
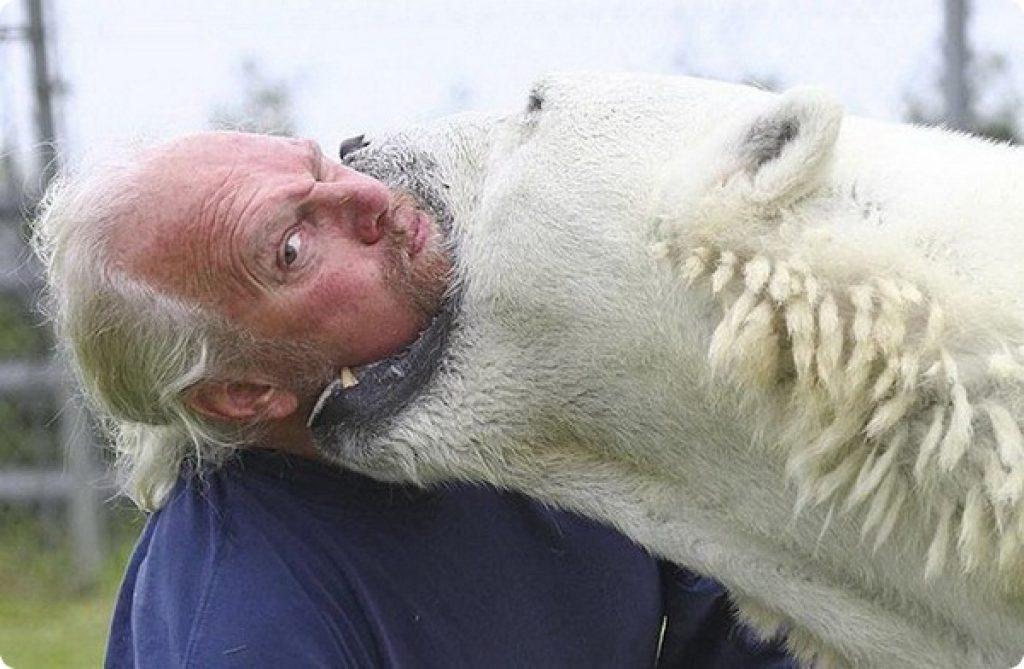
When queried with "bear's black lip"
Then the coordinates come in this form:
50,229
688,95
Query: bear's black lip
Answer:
387,386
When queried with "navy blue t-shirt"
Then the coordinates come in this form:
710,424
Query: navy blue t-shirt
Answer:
274,561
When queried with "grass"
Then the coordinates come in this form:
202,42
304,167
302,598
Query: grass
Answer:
45,619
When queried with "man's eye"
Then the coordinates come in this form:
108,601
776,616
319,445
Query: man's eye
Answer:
290,250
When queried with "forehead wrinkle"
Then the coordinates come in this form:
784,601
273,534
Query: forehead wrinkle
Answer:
211,232
241,230
311,149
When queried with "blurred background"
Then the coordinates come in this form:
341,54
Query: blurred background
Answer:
80,78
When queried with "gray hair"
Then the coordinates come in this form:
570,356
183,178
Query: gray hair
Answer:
134,349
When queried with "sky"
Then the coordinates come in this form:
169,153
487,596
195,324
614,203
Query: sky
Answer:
147,69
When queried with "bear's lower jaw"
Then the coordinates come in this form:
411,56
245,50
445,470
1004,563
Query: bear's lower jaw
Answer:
368,397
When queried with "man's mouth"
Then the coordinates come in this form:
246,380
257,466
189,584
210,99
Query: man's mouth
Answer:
410,222
418,230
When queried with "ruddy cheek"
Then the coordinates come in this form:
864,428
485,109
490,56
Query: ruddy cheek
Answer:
344,291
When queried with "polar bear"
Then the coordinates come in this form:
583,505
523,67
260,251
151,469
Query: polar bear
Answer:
778,346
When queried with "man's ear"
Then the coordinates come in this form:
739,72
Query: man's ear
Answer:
241,401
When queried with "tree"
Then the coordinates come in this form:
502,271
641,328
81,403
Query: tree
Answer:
9,179
975,91
265,107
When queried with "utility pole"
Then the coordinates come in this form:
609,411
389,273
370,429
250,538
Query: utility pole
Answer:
43,85
80,476
956,57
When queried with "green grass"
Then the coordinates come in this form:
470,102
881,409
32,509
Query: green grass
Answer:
56,632
45,619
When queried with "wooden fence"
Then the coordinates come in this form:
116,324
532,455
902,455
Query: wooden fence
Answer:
79,481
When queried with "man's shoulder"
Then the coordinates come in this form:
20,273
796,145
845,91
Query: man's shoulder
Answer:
298,563
227,572
221,524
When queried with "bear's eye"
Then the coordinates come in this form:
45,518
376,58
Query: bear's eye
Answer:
536,101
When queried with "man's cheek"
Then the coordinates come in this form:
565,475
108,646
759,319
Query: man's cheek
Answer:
344,287
364,298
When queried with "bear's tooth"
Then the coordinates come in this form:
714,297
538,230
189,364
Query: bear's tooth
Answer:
348,378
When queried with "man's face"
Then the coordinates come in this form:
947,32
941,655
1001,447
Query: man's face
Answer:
287,243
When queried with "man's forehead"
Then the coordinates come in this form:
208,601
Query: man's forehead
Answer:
175,178
178,180
226,148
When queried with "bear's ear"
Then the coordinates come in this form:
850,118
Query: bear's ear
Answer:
784,153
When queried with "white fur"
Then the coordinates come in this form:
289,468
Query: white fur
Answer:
776,346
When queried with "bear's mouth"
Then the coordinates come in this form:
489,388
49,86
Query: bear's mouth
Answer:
375,393
367,398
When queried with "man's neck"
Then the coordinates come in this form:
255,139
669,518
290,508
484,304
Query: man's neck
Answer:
288,436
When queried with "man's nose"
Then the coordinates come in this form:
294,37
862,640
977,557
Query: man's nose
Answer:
360,200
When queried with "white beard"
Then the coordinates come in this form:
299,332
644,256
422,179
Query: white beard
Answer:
781,354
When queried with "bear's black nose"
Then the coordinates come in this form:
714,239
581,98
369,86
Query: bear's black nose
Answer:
352,144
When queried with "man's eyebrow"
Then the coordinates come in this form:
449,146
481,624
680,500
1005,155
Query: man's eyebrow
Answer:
314,155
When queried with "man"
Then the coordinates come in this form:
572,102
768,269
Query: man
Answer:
206,292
